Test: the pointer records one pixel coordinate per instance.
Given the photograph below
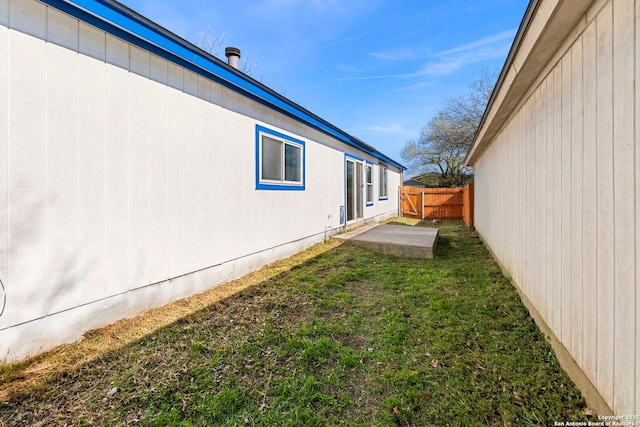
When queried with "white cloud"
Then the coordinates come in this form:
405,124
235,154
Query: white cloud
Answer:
325,4
496,38
400,54
393,128
450,61
385,76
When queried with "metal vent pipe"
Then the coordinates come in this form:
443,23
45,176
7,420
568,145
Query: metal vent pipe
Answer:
233,56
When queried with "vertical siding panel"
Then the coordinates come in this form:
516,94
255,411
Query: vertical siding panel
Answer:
117,52
540,185
92,284
514,233
550,213
521,209
528,161
511,236
624,219
538,207
192,214
605,276
201,163
499,234
533,204
496,175
190,83
29,17
4,158
637,197
511,233
205,115
216,98
487,220
176,167
117,252
229,234
216,164
637,200
204,90
26,299
139,101
62,29
210,235
576,303
203,190
518,173
508,233
557,203
62,175
158,173
565,206
589,219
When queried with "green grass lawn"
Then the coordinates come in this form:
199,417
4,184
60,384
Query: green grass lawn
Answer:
349,337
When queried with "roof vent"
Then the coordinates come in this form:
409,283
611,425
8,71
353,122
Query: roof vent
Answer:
233,55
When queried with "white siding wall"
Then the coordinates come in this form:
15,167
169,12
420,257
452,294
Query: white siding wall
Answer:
558,200
129,181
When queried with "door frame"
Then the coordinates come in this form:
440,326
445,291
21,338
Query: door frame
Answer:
358,184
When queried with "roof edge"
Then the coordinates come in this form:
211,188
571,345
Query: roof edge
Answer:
548,27
515,46
123,22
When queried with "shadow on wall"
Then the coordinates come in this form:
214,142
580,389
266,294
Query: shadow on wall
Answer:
27,256
43,280
3,298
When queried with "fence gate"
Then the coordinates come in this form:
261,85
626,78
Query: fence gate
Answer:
411,202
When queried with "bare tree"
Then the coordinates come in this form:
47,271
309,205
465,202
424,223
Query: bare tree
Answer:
215,46
443,143
210,44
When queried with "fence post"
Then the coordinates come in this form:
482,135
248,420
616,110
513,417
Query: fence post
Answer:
467,207
422,205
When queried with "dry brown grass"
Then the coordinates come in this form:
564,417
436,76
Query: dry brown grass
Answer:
31,373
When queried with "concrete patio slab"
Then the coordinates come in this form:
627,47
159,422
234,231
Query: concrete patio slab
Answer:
398,240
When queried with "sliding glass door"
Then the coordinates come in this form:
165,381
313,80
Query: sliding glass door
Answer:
354,189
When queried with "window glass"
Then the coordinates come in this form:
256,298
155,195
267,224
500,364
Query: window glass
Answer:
383,182
271,159
369,173
292,163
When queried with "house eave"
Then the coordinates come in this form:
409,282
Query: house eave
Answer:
544,28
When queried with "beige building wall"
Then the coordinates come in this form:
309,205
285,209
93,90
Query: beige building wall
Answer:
558,196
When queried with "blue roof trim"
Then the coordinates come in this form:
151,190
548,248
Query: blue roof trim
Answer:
126,24
353,157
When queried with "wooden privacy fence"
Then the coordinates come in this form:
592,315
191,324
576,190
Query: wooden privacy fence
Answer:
438,203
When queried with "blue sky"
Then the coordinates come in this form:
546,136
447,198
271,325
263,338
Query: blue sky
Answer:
377,69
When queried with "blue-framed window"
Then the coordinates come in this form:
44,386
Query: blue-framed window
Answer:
368,174
280,161
383,193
